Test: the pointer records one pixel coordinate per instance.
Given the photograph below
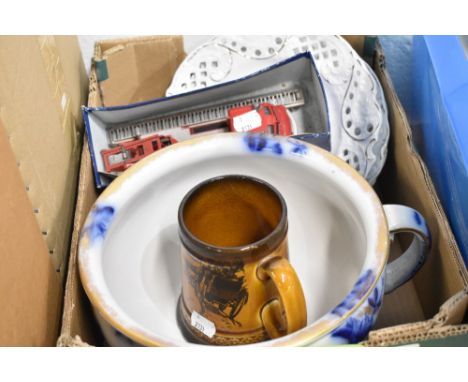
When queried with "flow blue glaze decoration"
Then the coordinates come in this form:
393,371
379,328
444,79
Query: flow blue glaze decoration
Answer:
257,142
260,143
277,148
358,325
417,217
424,227
101,217
358,291
299,148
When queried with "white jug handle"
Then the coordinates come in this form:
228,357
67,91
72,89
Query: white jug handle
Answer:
405,219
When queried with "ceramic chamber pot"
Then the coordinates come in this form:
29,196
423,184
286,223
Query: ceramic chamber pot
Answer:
339,237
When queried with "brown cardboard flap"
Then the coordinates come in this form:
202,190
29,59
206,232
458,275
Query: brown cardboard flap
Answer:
43,85
445,323
75,80
30,289
135,70
77,314
405,180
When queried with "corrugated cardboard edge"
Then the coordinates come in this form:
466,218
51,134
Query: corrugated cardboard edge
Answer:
73,297
74,294
65,341
440,326
388,336
30,288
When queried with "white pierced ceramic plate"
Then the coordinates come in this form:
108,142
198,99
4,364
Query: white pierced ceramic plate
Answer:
358,112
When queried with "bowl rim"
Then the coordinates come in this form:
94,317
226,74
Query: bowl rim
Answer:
304,336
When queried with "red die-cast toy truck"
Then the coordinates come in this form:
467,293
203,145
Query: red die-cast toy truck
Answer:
266,118
121,157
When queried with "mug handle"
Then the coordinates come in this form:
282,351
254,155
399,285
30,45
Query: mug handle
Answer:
405,219
286,312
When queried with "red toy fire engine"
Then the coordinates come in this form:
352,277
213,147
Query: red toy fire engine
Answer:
124,155
266,118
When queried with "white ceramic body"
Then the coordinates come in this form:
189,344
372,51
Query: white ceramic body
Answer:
129,255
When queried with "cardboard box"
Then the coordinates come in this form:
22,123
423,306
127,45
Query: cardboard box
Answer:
439,113
43,85
431,305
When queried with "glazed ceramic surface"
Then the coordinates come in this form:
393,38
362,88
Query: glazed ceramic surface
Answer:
357,108
129,255
236,277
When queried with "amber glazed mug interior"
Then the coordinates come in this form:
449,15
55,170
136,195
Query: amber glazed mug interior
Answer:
238,286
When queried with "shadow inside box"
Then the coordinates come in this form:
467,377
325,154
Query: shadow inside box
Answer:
402,305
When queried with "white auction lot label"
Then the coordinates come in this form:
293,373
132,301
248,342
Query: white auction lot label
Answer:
248,121
203,324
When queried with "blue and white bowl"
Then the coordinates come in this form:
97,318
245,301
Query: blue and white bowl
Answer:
339,238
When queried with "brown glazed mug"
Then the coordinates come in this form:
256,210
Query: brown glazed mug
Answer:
238,286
